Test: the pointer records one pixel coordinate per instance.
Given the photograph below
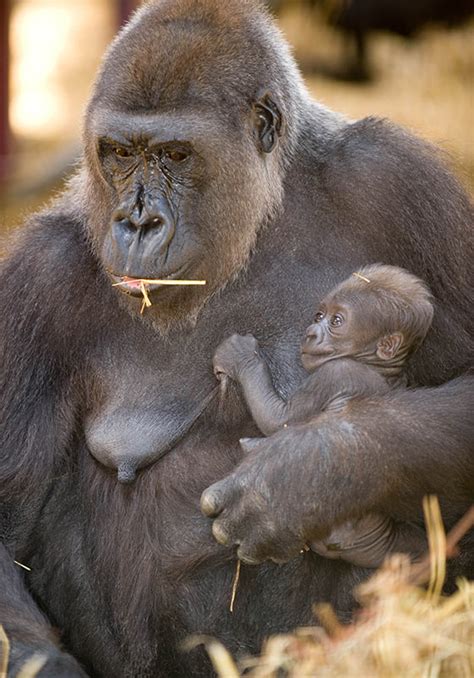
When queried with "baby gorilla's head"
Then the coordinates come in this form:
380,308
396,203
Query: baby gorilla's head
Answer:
379,316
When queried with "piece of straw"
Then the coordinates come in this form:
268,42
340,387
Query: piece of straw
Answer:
235,584
25,567
221,658
437,545
146,299
150,281
32,666
5,643
362,277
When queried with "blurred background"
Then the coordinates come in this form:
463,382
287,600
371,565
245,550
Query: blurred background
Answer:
408,60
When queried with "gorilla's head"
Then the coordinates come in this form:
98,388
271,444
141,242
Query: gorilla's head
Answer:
188,133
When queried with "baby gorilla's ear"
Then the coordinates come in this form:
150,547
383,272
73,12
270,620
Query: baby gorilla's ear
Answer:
388,346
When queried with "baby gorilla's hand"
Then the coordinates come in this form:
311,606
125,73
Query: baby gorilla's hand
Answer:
233,354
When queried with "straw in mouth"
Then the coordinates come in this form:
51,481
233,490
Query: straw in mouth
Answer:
142,282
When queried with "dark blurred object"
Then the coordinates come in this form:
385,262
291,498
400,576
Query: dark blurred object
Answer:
359,18
125,8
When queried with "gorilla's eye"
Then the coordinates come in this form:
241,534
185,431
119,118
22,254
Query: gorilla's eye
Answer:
336,320
122,152
318,317
176,155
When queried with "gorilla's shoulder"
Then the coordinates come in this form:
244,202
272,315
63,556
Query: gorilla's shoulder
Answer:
48,278
377,162
376,145
51,246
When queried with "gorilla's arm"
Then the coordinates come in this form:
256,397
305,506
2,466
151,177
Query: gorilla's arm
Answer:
377,457
28,631
36,424
238,357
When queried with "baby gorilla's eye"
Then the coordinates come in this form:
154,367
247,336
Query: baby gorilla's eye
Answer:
318,317
122,152
336,320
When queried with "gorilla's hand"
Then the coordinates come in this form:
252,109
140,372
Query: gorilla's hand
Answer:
233,354
258,507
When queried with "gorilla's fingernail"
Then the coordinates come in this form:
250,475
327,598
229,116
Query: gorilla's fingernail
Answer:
220,535
210,504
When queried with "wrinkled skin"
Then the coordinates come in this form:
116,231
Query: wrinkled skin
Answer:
111,422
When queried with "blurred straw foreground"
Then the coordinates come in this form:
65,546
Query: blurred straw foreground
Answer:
402,629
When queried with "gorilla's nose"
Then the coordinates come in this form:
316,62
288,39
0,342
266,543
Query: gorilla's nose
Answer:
314,334
149,220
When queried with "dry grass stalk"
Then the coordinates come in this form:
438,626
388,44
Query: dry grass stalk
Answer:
33,666
235,585
402,630
220,657
25,567
5,643
151,281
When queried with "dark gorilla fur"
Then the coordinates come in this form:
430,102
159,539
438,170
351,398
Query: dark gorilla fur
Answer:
127,572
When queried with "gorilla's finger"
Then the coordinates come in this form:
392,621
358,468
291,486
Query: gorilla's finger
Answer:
220,534
215,498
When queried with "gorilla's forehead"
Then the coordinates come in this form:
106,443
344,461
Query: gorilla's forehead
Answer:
164,59
202,127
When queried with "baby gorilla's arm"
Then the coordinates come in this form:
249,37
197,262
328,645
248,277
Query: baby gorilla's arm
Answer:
238,358
368,541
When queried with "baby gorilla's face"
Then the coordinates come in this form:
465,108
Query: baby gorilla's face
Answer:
340,329
332,334
345,328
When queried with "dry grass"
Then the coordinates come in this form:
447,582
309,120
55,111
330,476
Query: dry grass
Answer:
402,629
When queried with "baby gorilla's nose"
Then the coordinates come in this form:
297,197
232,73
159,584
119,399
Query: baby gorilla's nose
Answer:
312,331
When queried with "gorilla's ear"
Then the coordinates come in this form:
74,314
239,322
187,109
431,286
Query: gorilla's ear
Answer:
388,346
268,123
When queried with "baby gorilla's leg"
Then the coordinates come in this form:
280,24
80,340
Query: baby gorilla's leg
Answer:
369,540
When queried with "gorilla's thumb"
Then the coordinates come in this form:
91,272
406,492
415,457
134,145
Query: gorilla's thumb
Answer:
213,499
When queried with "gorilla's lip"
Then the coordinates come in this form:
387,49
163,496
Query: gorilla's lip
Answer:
133,286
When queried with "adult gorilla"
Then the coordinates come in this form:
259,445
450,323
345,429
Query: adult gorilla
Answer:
205,158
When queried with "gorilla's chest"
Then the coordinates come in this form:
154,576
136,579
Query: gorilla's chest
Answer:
143,402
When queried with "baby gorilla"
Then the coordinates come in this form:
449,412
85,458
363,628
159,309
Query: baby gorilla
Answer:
363,332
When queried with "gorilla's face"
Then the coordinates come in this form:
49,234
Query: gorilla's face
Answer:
186,197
